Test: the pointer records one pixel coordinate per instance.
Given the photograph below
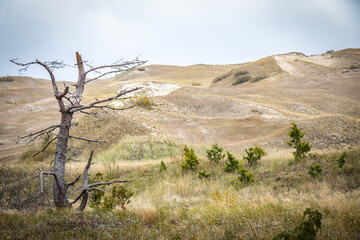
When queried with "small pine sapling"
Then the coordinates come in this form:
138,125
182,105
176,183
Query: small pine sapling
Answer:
215,153
306,229
341,160
301,148
254,154
96,196
191,161
162,166
245,176
204,175
119,196
315,170
231,164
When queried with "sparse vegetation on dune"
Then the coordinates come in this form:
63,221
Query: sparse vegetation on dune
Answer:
6,79
250,72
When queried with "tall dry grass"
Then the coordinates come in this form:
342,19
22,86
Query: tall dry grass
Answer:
173,204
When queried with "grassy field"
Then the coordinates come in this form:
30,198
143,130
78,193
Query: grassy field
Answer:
177,204
237,106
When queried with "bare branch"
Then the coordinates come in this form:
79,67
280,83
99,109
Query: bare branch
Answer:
66,90
101,75
117,109
46,146
107,183
95,188
80,195
67,185
49,66
84,194
87,139
91,105
119,66
34,136
73,181
89,113
56,180
69,100
72,159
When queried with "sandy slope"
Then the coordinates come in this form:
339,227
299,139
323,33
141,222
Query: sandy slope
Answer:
321,93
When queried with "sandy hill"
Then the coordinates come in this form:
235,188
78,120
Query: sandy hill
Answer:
234,105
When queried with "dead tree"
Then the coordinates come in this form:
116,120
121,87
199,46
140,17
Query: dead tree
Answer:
70,103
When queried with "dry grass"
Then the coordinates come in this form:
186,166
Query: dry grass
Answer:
201,73
174,204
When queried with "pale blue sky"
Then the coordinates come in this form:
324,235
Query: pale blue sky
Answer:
177,32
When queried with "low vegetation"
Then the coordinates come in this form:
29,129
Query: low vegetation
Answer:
231,163
191,161
242,79
195,84
341,160
6,79
301,147
251,72
221,77
315,171
192,196
143,100
354,66
215,153
306,229
253,155
131,148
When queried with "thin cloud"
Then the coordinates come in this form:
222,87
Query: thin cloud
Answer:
178,32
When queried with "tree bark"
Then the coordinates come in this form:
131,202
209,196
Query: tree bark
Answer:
59,163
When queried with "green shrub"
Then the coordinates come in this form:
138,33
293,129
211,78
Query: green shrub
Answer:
97,195
215,153
231,164
315,170
305,230
204,174
191,161
301,148
354,66
119,196
341,160
162,166
254,154
245,177
241,73
258,78
242,79
221,77
6,79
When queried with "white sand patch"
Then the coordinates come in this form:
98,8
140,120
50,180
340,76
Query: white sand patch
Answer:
150,88
286,61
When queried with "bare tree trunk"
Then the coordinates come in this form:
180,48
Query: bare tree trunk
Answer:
60,187
59,162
